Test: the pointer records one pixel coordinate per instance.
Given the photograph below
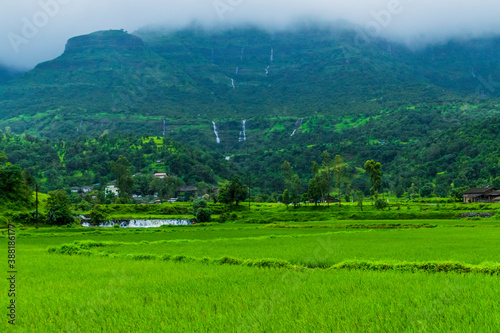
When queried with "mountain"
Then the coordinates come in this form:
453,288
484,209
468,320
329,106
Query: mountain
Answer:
115,81
259,98
7,74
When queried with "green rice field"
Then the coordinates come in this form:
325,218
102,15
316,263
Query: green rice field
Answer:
431,275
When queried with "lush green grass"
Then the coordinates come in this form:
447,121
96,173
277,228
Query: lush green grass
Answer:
326,248
83,294
246,277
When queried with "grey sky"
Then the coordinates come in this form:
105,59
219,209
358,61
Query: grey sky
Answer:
32,31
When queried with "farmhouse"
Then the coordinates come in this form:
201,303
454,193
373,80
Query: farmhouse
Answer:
485,195
161,175
187,192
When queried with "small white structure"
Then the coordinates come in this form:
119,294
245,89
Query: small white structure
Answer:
113,189
161,175
87,189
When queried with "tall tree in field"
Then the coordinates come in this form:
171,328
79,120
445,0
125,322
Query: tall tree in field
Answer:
374,169
287,174
235,191
339,168
296,190
314,191
125,182
286,198
58,206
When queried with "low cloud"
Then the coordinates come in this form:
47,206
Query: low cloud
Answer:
32,31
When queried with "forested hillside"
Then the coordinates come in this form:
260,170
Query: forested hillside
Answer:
216,103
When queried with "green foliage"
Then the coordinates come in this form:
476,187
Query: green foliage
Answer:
234,192
15,189
58,207
121,170
315,191
286,198
198,204
98,215
203,215
374,169
381,204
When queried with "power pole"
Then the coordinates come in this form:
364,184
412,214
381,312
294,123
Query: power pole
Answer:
36,204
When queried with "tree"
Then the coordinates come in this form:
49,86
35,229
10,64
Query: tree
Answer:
237,191
198,204
98,216
201,211
375,171
58,206
224,195
457,193
426,190
286,198
324,184
296,190
359,198
125,182
314,168
234,192
203,215
287,174
314,190
338,171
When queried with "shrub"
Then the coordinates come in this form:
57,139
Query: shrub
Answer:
203,215
199,204
381,204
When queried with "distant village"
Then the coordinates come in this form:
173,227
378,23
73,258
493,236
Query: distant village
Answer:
182,194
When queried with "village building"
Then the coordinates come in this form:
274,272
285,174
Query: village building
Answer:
75,189
113,189
187,192
484,195
87,189
161,175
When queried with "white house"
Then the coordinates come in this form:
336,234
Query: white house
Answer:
113,189
161,175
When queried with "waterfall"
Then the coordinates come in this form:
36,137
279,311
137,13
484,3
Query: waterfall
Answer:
272,54
472,72
242,51
164,128
267,70
298,123
237,70
232,82
243,133
79,127
216,133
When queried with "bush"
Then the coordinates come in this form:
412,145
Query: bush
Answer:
203,215
197,204
381,204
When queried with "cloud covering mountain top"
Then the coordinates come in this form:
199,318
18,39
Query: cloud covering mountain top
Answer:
33,31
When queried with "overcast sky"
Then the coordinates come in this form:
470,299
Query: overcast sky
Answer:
32,31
